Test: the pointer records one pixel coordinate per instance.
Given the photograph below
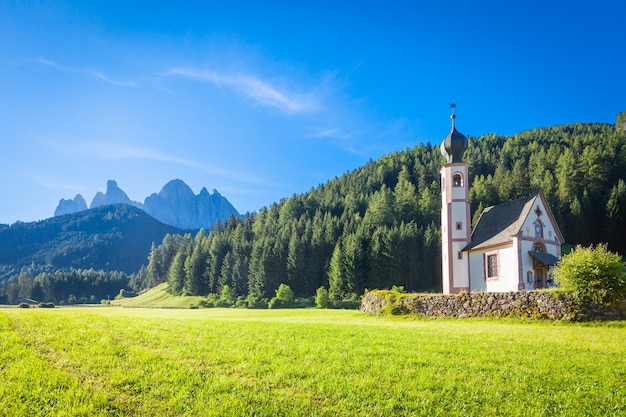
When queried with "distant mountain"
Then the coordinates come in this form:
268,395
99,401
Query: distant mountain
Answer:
71,206
114,195
111,238
175,205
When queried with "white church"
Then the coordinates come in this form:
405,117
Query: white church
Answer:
514,245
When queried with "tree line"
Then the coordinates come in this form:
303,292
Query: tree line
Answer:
74,286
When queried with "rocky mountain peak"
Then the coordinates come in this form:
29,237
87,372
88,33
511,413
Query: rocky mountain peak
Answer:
176,205
114,195
71,206
176,189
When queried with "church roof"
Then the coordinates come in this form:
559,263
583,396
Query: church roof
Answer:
498,224
454,144
544,258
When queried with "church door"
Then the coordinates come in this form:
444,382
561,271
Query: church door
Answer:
540,277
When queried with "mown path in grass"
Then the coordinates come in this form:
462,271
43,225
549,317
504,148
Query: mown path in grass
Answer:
227,362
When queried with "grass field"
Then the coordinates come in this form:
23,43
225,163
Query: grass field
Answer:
230,362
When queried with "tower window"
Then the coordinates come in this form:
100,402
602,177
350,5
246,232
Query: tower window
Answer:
538,228
459,225
457,180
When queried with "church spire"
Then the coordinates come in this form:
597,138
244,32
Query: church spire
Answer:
455,143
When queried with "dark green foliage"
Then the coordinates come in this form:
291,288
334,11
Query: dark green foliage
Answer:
71,287
620,121
112,238
24,305
46,305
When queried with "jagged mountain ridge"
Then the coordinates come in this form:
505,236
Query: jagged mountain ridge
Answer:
175,205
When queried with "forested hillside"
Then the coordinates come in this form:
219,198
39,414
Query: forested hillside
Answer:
378,225
82,254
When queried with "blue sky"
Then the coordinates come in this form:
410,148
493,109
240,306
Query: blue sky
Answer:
261,100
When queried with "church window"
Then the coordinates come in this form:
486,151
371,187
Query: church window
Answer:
538,228
492,266
460,254
538,247
459,225
457,179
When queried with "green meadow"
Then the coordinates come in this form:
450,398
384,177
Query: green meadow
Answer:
112,361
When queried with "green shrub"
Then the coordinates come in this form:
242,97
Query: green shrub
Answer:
285,294
24,305
255,301
228,295
305,302
398,288
47,305
205,304
276,302
215,300
593,273
322,299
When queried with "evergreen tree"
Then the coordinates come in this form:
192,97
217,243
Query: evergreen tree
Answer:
405,197
176,274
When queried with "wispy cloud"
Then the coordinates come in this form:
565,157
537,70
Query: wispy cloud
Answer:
118,151
332,132
99,75
257,90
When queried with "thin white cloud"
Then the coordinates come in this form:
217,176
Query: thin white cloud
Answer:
53,184
117,151
99,75
333,133
256,89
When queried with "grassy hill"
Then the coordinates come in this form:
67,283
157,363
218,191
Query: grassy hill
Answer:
159,297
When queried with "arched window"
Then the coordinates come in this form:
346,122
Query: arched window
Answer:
538,247
457,179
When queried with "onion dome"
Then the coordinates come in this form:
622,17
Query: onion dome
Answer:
454,144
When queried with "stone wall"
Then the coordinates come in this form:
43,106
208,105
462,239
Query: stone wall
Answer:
533,304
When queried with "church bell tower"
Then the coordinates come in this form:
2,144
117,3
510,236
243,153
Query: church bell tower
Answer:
455,212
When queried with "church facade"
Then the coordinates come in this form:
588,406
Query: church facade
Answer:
514,245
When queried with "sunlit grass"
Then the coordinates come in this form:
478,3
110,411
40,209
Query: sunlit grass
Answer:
159,297
221,362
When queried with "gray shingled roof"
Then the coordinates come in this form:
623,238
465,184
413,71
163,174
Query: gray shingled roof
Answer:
498,224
